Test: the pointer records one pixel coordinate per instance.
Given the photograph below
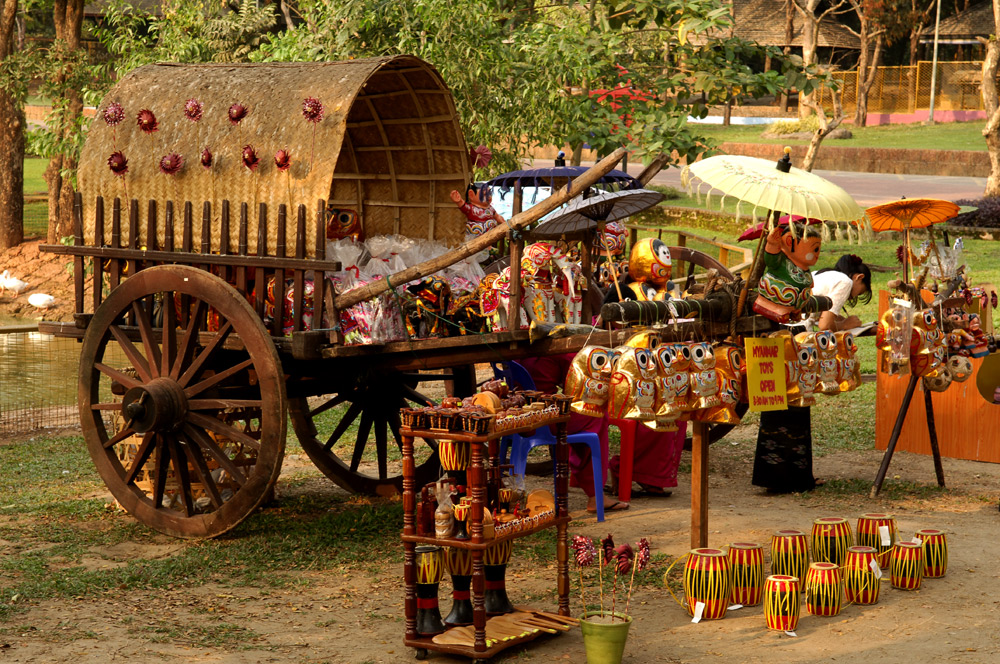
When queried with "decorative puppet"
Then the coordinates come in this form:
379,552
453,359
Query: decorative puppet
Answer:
477,209
588,381
826,355
704,378
633,386
848,368
786,284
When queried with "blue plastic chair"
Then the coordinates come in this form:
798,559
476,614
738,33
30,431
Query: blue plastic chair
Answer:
518,377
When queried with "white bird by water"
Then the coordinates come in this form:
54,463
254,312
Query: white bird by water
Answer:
11,283
41,300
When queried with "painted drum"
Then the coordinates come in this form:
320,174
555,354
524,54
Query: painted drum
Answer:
869,534
707,580
781,602
935,552
906,569
861,577
746,571
824,589
789,553
831,536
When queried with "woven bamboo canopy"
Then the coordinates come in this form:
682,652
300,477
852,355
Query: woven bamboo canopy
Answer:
389,146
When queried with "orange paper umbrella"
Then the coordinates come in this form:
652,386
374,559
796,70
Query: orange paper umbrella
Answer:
902,215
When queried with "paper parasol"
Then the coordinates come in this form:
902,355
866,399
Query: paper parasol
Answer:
586,213
910,213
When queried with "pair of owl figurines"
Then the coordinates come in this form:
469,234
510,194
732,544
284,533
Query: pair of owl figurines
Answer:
913,342
657,384
819,363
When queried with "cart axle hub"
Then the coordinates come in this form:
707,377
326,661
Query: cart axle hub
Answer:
158,405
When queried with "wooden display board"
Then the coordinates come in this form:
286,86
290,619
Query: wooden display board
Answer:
968,427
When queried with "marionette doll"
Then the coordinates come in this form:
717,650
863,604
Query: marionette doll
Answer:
477,208
786,284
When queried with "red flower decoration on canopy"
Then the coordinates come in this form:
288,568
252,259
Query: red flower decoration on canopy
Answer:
237,112
312,109
147,121
480,156
171,164
193,110
114,114
282,159
206,158
118,164
250,158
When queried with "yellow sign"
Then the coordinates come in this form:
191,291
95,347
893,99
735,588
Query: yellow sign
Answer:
766,388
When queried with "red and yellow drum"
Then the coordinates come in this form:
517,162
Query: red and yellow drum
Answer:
906,569
789,553
781,602
707,580
454,454
823,589
860,577
870,535
429,561
935,552
831,536
746,569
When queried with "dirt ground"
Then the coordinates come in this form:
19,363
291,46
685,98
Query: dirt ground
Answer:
44,273
356,619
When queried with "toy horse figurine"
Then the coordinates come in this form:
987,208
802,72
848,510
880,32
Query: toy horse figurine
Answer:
786,284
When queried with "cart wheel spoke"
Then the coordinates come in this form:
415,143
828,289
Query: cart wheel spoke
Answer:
217,378
361,441
190,337
132,353
205,354
146,332
331,403
141,456
394,423
114,374
352,414
200,437
197,461
119,437
168,334
180,465
223,429
161,470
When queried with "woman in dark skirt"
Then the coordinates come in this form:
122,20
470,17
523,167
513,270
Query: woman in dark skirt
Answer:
783,462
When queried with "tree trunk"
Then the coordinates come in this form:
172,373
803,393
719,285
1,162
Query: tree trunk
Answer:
825,126
991,102
810,33
68,20
11,143
865,86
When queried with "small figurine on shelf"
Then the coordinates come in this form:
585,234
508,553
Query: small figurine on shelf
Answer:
477,208
792,247
444,515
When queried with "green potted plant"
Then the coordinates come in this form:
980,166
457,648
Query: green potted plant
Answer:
605,631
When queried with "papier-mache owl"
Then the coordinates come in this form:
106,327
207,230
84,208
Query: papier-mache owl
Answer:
927,344
671,386
589,381
892,338
633,386
731,374
800,374
704,378
825,344
649,269
848,367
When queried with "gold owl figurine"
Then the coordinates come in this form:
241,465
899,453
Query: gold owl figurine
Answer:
633,386
848,367
927,344
670,388
825,344
588,381
808,361
731,374
892,338
704,378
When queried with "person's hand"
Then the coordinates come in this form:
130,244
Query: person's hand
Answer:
850,322
456,197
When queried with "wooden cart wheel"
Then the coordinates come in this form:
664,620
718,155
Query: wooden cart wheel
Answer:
201,429
371,403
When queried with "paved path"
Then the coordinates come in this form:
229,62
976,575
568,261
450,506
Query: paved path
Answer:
866,188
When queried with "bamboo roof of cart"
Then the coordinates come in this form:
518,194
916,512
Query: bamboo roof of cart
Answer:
389,145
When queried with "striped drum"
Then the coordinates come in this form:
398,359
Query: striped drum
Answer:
831,536
495,559
935,553
869,534
454,454
823,589
781,602
746,567
860,578
460,565
789,553
706,580
906,569
430,570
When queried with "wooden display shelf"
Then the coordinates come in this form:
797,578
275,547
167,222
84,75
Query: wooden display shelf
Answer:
486,543
483,457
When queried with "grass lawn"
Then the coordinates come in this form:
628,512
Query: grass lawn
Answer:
943,136
34,180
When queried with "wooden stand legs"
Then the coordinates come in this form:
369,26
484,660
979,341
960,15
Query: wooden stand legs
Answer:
699,484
